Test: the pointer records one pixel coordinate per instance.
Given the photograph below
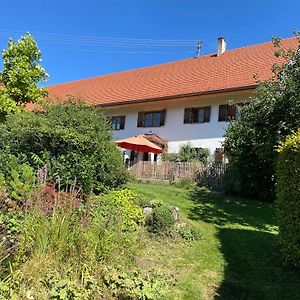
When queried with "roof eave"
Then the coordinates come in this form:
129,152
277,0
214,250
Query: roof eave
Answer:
129,102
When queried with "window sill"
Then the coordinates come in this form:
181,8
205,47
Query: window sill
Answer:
196,123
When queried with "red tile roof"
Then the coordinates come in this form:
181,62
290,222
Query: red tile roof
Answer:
233,70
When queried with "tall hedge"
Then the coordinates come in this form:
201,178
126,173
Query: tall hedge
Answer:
74,142
288,197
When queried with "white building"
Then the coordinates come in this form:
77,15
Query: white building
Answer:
182,101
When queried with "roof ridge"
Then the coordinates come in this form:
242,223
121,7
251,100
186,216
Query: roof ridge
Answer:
262,43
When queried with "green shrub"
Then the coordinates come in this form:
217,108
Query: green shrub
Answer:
188,153
288,197
203,190
123,204
170,156
161,221
134,286
155,203
184,183
72,140
17,177
10,227
190,233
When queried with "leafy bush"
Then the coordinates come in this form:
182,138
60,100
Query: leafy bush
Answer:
123,204
188,153
190,233
161,221
10,227
184,183
73,140
288,197
155,203
134,286
250,142
203,190
170,156
17,177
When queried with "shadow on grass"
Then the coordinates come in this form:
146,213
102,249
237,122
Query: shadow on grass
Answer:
221,210
254,269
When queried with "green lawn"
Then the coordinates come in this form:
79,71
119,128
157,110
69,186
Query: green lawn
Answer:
237,258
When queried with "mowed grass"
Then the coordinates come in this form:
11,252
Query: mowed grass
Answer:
238,256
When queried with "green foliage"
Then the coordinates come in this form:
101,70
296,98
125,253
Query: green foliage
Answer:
20,75
170,156
288,197
123,204
155,203
22,71
161,221
17,177
203,190
190,233
10,227
77,250
184,183
250,142
143,202
134,286
73,140
188,153
7,105
22,180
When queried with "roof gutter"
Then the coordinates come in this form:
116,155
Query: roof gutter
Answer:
128,102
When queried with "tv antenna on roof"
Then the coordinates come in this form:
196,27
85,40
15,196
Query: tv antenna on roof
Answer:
199,46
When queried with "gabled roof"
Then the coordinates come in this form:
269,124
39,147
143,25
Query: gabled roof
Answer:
232,70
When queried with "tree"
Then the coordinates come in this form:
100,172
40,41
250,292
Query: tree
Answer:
21,74
272,114
73,141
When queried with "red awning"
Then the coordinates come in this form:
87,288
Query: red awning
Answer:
139,143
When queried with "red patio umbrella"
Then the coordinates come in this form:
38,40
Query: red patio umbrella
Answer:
139,143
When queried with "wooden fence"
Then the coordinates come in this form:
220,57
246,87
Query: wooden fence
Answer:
211,174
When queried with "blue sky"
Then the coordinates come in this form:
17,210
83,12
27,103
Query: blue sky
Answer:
70,33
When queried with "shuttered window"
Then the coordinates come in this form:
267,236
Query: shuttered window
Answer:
197,115
118,122
151,119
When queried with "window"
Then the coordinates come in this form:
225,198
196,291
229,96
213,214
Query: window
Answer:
219,155
197,115
118,122
151,119
227,112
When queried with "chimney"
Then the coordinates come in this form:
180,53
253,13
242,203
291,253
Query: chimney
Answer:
221,46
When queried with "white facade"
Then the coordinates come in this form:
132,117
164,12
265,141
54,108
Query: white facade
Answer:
175,132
